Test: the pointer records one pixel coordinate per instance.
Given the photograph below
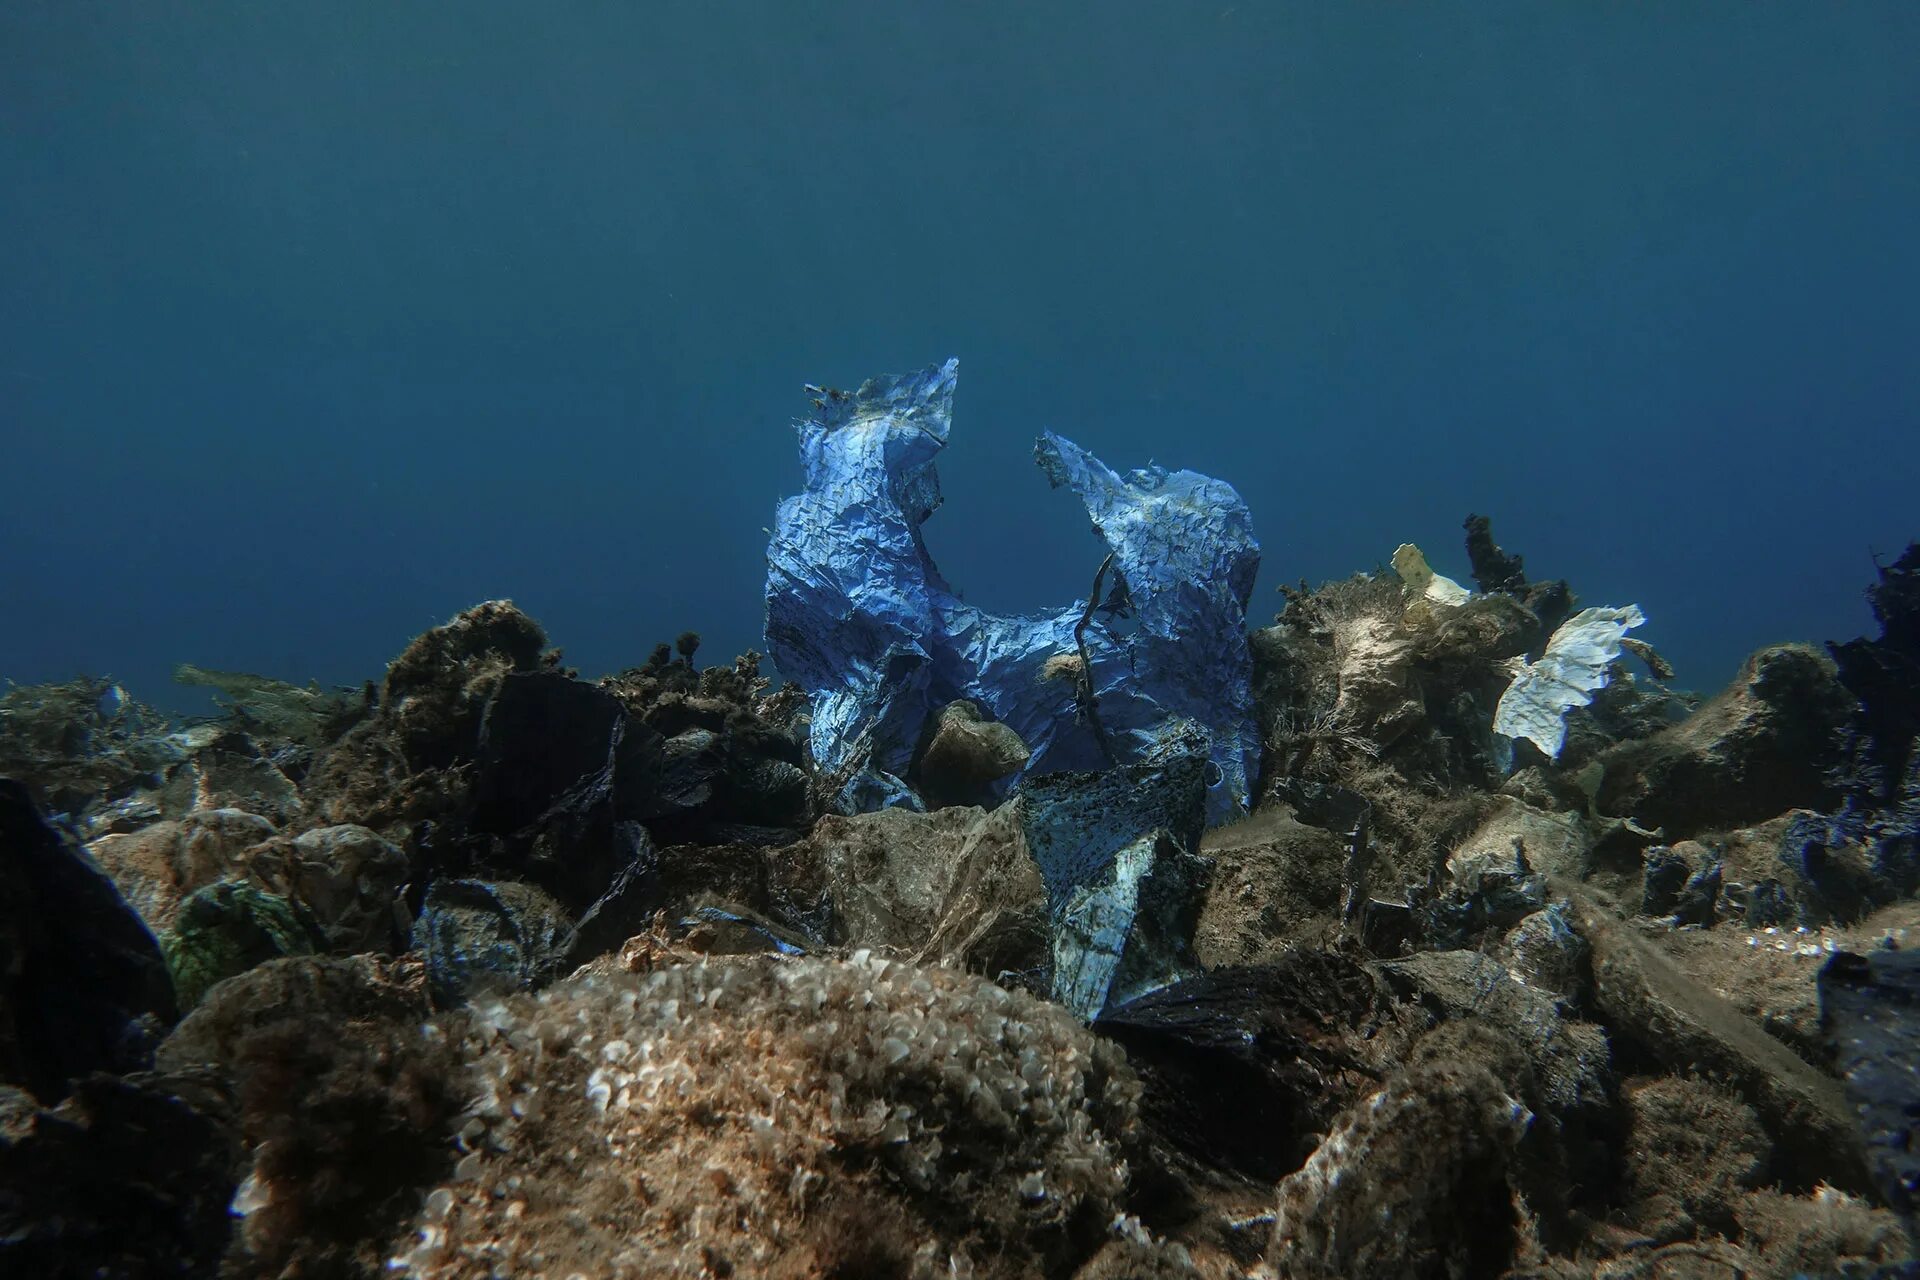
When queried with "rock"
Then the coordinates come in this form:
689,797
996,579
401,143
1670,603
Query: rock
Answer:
1644,999
84,987
1276,882
1764,745
1870,1007
232,773
965,753
1692,1151
1245,1068
346,875
226,929
958,885
130,1176
1415,1180
346,1107
1570,1059
482,938
1554,844
339,991
1545,953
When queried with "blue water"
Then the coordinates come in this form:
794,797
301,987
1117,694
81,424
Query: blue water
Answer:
319,322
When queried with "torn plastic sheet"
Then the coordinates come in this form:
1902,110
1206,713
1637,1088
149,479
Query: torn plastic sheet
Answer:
858,614
1575,663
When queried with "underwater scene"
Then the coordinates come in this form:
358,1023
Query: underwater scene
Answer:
821,641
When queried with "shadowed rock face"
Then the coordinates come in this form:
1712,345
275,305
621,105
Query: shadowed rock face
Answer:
85,987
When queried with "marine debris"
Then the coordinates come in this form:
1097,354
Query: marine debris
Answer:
1426,931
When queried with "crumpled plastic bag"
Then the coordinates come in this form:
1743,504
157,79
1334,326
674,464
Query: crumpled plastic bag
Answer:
1576,663
859,616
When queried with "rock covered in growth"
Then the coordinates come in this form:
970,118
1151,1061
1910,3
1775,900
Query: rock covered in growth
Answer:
1569,1058
1692,1150
1416,1180
345,1105
965,753
82,744
762,1117
1648,1003
957,885
397,767
1765,745
226,929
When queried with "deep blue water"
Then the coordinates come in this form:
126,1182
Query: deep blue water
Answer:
319,322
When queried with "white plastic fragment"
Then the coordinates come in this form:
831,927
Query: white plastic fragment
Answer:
1411,564
1574,665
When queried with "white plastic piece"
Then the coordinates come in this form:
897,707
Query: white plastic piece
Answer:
1411,564
1535,705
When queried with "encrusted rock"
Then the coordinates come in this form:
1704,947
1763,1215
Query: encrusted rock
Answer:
226,929
489,938
1645,999
763,1117
1764,745
965,753
1413,1181
1555,844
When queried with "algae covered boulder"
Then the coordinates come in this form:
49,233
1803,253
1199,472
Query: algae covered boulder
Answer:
227,928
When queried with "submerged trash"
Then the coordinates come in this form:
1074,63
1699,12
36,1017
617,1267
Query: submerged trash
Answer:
858,615
1535,705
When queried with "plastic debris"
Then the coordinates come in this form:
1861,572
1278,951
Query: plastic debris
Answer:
1411,564
859,616
1576,663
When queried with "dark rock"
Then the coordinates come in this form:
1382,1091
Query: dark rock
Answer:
1884,674
1870,1011
1662,878
1245,1068
482,938
129,1177
1497,571
83,984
